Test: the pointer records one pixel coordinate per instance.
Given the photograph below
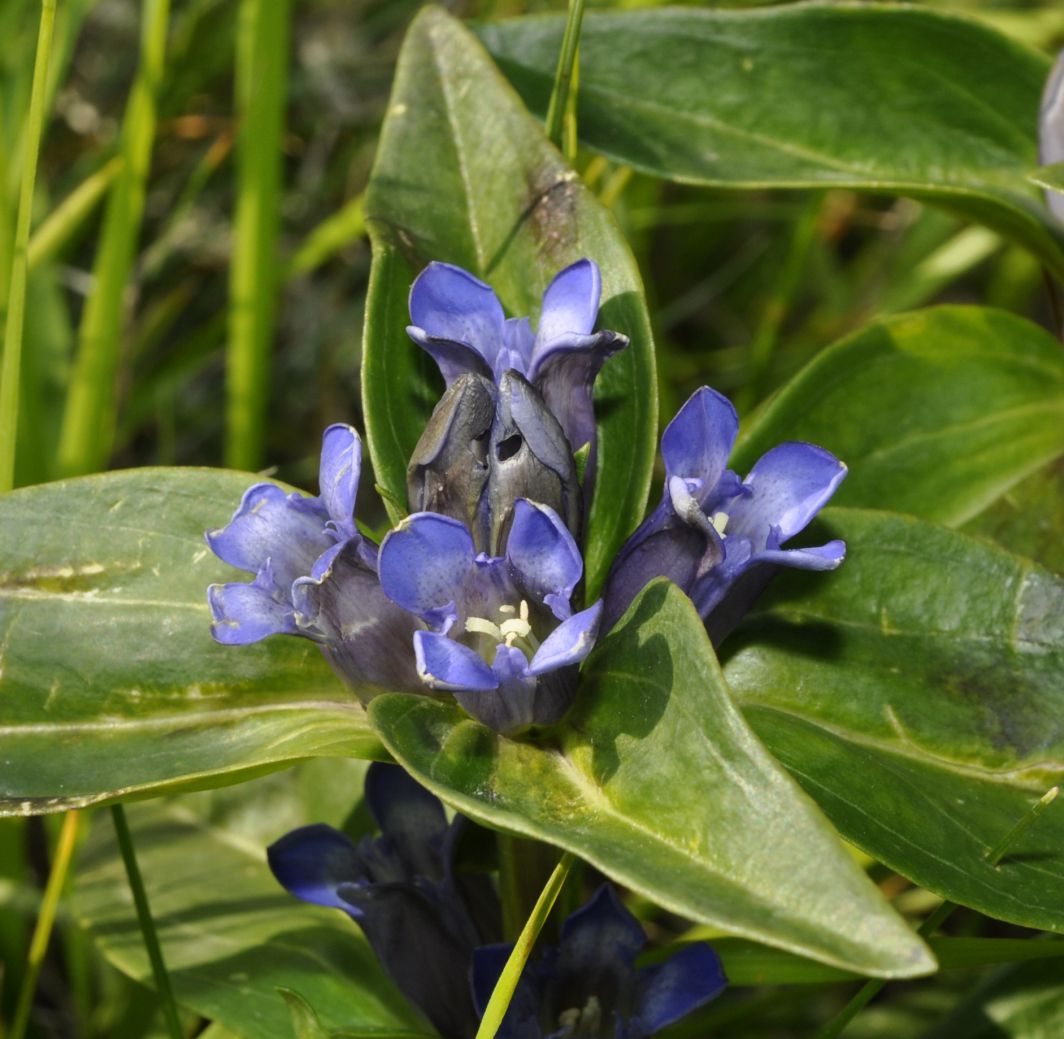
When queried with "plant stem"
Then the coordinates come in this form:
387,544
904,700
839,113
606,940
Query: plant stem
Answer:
11,374
147,925
89,420
262,59
563,76
42,932
511,974
870,989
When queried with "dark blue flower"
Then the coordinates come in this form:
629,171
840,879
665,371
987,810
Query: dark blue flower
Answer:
315,574
499,631
719,537
460,322
422,917
589,987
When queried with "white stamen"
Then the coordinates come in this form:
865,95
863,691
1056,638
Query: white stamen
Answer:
720,521
507,608
484,627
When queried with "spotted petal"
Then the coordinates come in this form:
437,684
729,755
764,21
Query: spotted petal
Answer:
423,565
568,643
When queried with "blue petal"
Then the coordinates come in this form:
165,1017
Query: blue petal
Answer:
245,613
697,442
312,862
449,303
289,530
571,302
786,488
564,372
823,557
409,816
600,938
424,563
341,465
445,664
544,556
364,635
569,643
671,990
519,345
454,359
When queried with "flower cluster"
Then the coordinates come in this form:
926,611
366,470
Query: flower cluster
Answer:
477,593
436,930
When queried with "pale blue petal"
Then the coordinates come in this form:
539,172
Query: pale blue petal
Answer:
449,303
247,612
454,359
697,442
786,488
447,665
341,465
571,302
424,564
544,556
570,642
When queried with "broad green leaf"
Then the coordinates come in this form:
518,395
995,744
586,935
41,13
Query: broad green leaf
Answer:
1023,1002
937,413
464,174
917,695
750,963
110,684
876,97
1029,518
231,937
655,779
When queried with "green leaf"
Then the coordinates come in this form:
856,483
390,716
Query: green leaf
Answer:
937,413
231,937
782,96
1028,519
917,695
465,175
110,684
655,779
750,963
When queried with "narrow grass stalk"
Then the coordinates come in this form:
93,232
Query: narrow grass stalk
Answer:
564,74
511,974
870,989
261,67
89,421
11,372
147,925
64,222
42,932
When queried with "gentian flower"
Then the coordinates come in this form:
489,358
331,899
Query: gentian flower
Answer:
422,918
486,446
315,575
499,631
589,986
460,322
718,537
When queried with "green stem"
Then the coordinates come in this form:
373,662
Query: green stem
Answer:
89,420
871,989
10,376
147,925
42,932
563,76
262,59
504,987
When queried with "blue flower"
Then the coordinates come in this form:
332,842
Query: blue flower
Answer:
719,537
315,574
589,986
460,322
422,918
499,631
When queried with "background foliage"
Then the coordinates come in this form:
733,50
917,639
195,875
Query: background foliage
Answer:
199,209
